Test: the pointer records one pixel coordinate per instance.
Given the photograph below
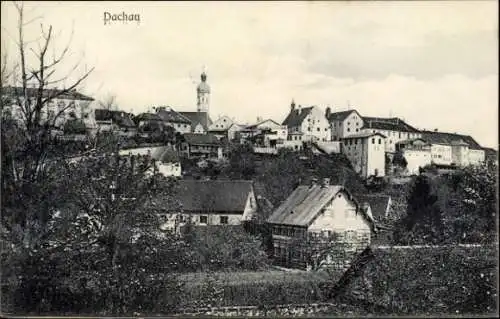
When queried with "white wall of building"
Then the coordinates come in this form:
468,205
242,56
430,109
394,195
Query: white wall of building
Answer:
441,154
350,125
315,126
476,157
416,159
393,137
340,216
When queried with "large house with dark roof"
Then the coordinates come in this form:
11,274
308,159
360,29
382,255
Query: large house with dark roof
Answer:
201,146
344,123
200,121
210,202
454,149
71,105
307,124
316,219
174,119
115,121
395,130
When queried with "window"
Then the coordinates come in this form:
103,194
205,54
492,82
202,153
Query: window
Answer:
399,134
380,141
373,141
203,219
224,219
348,123
318,129
357,130
348,129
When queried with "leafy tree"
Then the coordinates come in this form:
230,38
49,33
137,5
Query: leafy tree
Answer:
241,162
400,160
423,222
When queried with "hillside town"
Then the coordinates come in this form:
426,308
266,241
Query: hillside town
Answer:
172,211
370,143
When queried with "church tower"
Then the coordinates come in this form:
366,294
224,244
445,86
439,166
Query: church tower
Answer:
203,94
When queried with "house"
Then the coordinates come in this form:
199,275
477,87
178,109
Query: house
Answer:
167,161
491,155
315,220
380,207
394,129
174,119
211,202
200,121
115,121
344,123
201,145
416,152
70,104
366,152
226,128
310,121
146,122
454,149
272,133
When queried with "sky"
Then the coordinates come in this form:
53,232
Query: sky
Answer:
433,64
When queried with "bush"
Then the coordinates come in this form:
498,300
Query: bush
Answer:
441,281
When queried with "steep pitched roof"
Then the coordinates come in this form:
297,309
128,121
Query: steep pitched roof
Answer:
340,116
198,118
296,116
379,204
119,117
70,95
304,204
147,117
201,139
252,126
449,138
214,195
169,115
388,124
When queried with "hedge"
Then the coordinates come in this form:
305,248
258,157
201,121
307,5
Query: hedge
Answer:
453,280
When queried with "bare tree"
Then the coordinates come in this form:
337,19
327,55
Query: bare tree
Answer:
32,92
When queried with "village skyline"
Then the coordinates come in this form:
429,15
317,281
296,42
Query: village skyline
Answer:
259,58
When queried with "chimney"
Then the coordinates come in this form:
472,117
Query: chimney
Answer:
299,109
292,106
326,182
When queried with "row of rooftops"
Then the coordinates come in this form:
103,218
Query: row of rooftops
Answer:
293,119
55,93
297,115
299,209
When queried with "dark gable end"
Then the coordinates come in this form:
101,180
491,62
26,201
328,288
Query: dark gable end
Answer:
379,204
342,115
198,118
296,116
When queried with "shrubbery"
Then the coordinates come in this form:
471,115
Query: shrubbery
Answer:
423,281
